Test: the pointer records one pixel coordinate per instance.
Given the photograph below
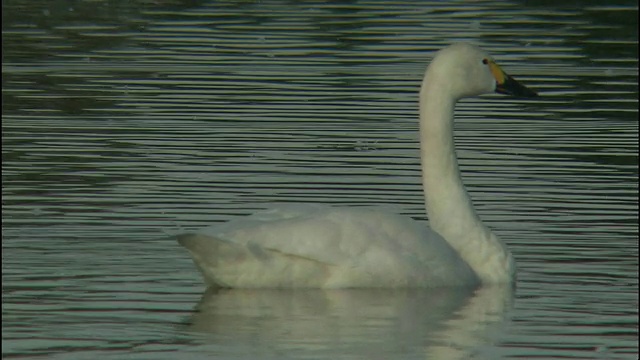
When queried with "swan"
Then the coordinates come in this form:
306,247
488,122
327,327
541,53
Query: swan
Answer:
313,246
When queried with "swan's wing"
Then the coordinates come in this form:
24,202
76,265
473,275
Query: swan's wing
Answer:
229,264
334,235
330,246
307,231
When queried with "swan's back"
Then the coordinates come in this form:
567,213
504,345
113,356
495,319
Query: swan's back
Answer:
326,247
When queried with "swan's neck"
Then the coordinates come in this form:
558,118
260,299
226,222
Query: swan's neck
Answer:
449,207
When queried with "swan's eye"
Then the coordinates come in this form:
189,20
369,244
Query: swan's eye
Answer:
485,61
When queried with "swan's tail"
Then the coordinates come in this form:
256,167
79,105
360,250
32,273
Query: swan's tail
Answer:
212,249
214,257
228,264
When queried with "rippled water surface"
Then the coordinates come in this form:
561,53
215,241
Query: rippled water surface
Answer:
125,123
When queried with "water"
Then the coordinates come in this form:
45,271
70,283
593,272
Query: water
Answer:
126,123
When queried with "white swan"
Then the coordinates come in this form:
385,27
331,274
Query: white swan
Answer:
339,247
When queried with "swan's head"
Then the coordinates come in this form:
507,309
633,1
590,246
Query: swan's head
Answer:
464,70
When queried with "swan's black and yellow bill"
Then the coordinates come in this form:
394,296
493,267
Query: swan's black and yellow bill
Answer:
507,85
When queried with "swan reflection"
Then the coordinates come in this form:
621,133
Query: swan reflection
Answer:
443,323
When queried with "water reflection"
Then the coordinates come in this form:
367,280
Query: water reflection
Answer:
446,323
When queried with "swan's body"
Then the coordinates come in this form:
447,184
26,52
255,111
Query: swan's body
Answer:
332,247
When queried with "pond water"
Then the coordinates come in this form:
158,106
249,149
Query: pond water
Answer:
125,123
